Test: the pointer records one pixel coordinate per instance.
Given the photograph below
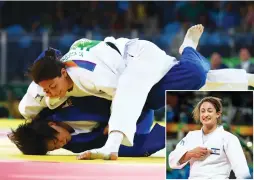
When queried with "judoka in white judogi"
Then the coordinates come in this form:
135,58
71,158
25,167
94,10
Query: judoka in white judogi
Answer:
226,155
223,152
125,78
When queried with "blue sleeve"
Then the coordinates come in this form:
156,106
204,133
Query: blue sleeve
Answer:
79,109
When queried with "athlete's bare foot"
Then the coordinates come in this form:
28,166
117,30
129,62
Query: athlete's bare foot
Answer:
192,37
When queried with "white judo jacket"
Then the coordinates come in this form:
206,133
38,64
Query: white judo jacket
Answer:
124,78
227,155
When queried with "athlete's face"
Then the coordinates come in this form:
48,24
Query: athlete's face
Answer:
62,138
57,87
208,114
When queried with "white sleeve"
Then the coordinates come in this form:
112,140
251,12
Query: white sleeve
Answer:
127,105
130,96
236,157
177,154
29,107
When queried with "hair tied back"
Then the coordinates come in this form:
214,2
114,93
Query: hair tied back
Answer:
50,53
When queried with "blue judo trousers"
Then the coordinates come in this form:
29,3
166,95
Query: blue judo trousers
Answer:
189,74
96,109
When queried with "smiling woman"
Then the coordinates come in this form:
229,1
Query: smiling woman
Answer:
58,86
208,112
210,151
56,82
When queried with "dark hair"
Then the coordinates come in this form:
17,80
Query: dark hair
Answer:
46,67
31,137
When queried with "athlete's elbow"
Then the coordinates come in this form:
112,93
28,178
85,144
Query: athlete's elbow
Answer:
22,108
173,163
23,111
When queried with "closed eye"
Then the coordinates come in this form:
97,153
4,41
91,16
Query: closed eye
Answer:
55,142
46,91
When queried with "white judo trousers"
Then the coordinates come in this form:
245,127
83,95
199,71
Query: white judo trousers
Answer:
142,72
227,154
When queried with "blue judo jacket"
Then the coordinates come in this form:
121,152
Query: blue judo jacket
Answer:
91,108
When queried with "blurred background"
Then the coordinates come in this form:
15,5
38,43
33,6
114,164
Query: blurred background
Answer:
237,118
27,28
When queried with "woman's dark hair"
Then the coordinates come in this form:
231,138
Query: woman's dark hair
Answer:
31,137
46,66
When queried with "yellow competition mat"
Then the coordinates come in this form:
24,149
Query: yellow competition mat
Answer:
11,157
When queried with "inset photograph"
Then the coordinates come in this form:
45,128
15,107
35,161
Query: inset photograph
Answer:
209,134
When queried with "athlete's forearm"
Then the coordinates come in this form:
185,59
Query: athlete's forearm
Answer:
186,157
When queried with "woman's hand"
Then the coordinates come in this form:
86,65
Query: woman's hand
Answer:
198,153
